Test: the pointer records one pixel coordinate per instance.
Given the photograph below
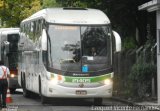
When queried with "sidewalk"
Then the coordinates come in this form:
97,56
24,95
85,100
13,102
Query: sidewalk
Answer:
146,104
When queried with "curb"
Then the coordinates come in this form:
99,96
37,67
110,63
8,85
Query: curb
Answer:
124,101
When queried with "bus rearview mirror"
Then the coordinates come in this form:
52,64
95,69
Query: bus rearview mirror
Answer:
117,41
44,40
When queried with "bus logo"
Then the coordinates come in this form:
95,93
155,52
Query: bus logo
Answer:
81,85
81,80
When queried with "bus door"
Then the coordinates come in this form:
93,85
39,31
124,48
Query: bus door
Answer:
35,69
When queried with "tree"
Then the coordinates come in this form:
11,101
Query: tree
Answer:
128,20
12,12
50,3
30,8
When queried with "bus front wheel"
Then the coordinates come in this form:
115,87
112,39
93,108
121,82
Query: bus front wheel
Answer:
12,90
26,93
43,98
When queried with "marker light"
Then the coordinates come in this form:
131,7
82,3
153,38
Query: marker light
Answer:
12,75
108,82
59,77
50,76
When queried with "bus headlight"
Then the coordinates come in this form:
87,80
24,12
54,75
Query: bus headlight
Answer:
12,75
54,81
108,82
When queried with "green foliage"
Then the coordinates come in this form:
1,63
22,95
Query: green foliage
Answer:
12,12
135,82
72,3
139,80
50,3
100,4
142,71
128,43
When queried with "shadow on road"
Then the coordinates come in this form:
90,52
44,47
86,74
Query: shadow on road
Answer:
59,101
70,102
16,92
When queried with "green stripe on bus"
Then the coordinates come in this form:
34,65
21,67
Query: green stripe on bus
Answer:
86,79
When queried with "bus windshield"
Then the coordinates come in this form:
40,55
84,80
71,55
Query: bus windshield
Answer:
13,50
72,47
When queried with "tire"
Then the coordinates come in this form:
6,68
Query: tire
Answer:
26,93
98,101
12,90
44,99
21,80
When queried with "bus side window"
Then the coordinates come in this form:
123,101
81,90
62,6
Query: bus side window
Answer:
28,29
36,30
39,30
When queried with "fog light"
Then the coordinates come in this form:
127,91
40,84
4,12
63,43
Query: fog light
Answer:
50,89
108,82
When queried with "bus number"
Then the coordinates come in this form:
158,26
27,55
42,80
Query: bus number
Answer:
81,80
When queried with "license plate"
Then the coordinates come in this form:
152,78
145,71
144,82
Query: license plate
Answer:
81,92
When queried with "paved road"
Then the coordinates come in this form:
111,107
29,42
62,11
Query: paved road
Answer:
33,104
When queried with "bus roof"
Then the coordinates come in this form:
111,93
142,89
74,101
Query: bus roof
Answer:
71,16
9,30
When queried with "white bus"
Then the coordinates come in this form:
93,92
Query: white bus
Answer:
67,53
9,53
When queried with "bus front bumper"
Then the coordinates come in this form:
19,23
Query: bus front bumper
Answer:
104,91
13,83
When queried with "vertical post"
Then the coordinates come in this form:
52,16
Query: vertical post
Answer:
158,56
153,78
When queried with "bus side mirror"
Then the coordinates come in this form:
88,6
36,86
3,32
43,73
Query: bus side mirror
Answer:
117,41
44,40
